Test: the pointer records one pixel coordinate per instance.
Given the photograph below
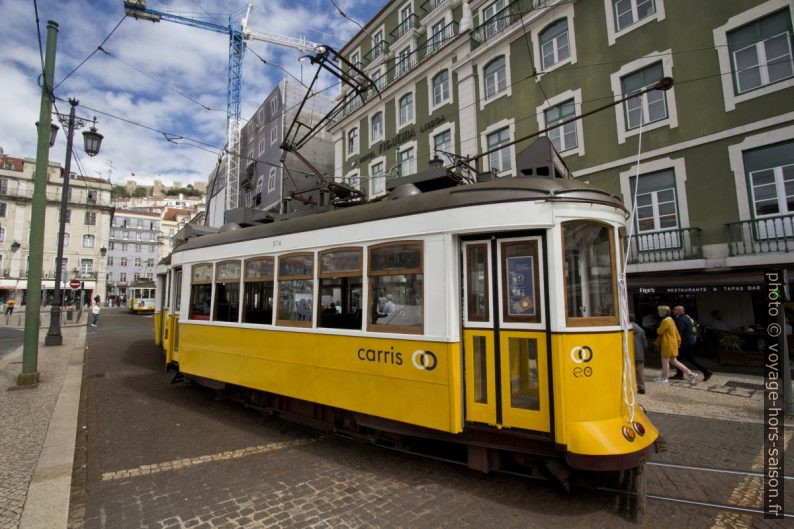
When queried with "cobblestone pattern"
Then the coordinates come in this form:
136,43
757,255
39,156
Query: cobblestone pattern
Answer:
25,418
136,419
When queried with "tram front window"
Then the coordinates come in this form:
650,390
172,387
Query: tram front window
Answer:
340,289
227,291
589,273
396,287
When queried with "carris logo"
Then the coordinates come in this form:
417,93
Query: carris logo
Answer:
425,360
581,354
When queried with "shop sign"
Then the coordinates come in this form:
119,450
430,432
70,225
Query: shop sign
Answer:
699,290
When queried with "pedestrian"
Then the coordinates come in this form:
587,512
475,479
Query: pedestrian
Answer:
688,330
95,314
669,342
640,344
10,304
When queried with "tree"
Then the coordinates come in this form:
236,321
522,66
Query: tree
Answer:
117,192
139,192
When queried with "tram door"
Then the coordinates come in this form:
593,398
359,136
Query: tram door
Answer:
504,333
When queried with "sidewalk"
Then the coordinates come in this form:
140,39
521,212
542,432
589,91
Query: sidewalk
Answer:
17,319
37,432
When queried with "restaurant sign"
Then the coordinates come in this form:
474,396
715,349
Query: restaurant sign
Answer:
700,290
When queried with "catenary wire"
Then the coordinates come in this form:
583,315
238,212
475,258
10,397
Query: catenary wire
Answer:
93,52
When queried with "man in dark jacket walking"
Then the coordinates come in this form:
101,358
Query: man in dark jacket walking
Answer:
686,353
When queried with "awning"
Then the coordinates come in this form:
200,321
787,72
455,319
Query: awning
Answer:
8,284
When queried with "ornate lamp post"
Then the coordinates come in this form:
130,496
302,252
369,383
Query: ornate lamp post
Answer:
91,142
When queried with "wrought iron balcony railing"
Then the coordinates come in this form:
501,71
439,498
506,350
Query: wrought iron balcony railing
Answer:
439,38
430,5
378,49
759,236
665,246
500,21
408,24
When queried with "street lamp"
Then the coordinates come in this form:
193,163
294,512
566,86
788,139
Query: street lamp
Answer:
91,142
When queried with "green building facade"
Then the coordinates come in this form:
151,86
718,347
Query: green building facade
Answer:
714,153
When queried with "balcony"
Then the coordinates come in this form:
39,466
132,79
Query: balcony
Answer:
431,5
378,49
501,21
665,246
404,27
440,38
761,236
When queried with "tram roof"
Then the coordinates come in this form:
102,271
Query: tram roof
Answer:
493,192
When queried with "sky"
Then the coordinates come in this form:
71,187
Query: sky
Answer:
166,76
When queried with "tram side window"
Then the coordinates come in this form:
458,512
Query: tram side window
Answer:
177,290
340,289
200,292
295,289
396,287
258,294
589,267
227,291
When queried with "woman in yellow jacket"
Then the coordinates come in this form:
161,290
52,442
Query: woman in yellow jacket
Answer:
669,342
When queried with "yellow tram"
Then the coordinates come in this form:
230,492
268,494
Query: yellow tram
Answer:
141,299
486,315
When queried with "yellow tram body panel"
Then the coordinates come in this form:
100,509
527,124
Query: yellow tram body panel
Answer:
169,337
588,380
158,319
407,380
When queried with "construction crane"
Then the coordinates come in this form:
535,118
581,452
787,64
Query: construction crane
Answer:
238,34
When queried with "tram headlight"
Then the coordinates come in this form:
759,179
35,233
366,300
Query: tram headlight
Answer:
628,433
639,428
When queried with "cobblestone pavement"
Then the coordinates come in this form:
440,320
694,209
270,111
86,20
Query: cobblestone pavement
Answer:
153,454
25,418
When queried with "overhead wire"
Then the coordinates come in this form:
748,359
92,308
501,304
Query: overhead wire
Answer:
92,53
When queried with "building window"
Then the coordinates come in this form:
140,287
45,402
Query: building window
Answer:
295,289
499,160
3,186
271,180
227,291
404,61
137,261
65,239
406,108
91,196
200,291
3,208
493,18
111,261
657,209
554,45
761,52
376,127
258,291
770,172
68,216
406,162
564,138
262,146
628,12
2,235
440,87
111,245
123,277
150,262
352,141
274,135
123,261
170,232
86,267
589,274
437,36
138,248
377,179
442,141
355,59
340,289
495,77
88,241
274,105
396,287
136,276
90,218
650,107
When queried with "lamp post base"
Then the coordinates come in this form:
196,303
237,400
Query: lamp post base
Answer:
28,379
53,339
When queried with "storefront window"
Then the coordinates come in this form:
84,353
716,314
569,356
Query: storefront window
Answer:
295,289
590,292
396,283
227,291
258,303
340,289
200,291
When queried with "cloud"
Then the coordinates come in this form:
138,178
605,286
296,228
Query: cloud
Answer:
154,74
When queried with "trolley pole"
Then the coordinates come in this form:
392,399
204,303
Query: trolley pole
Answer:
30,349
